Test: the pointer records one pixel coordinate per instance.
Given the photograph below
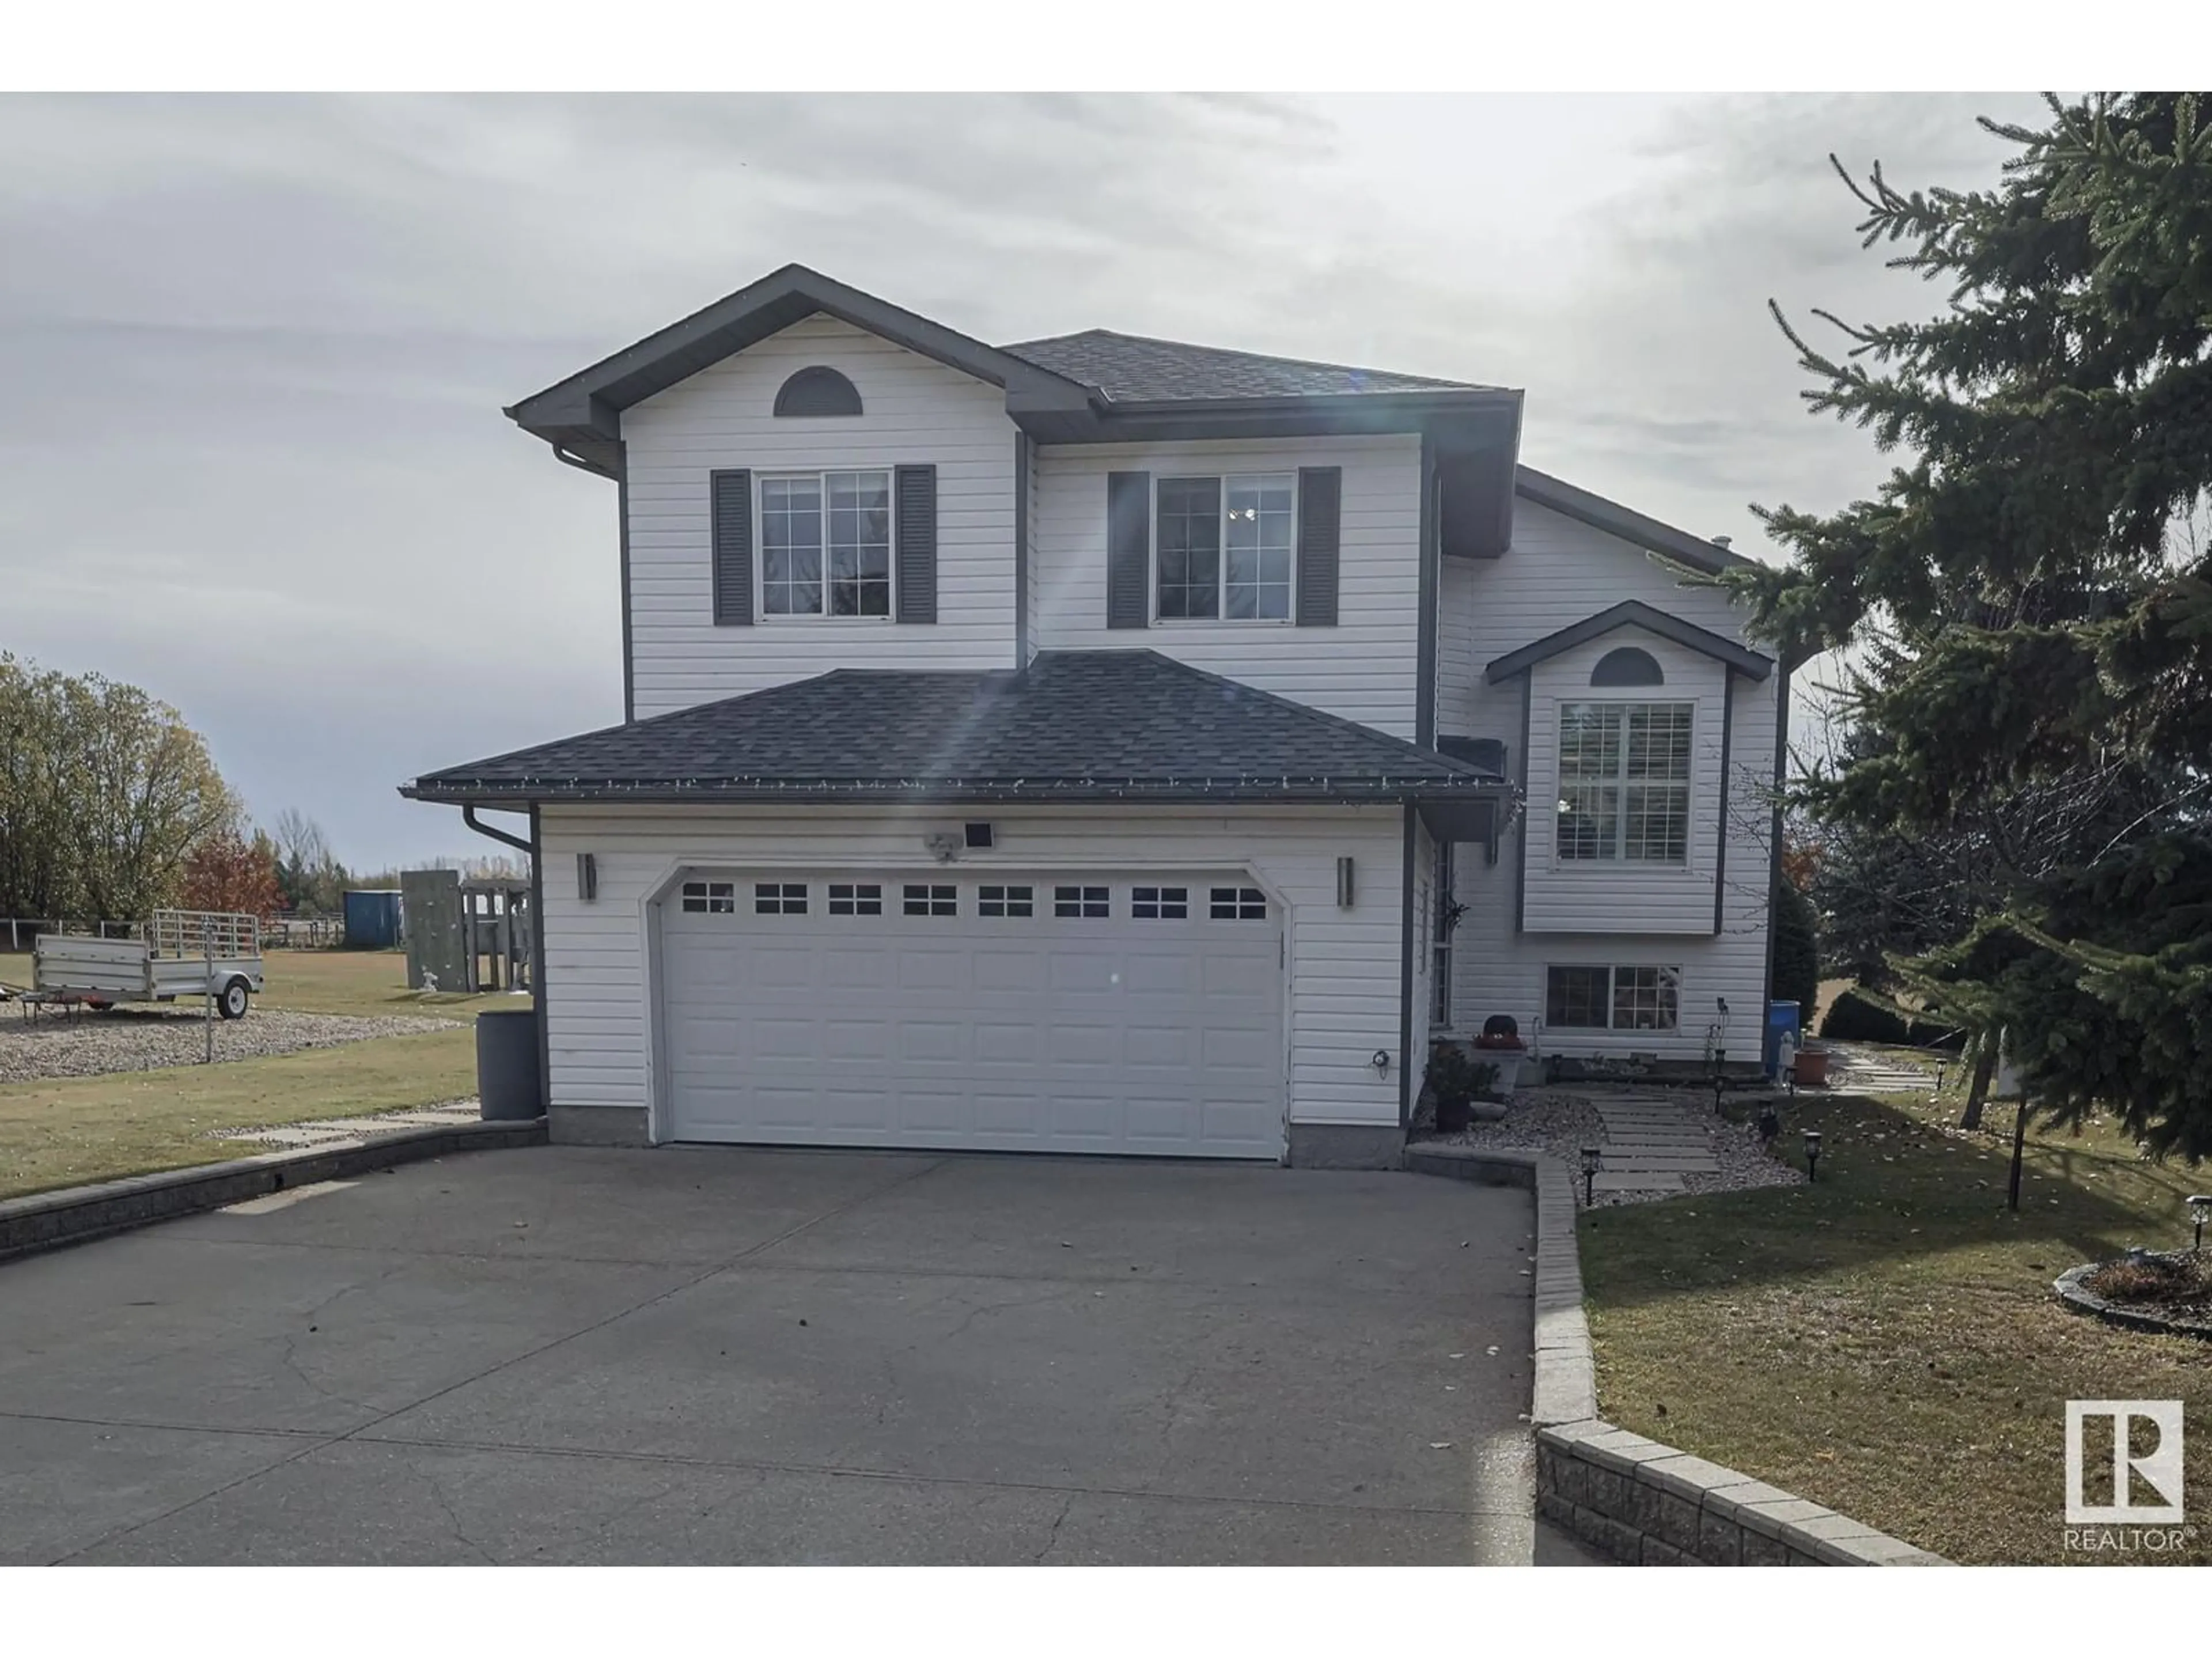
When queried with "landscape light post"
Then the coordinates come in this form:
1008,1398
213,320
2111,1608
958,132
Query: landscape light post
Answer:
1811,1154
2199,1206
1592,1156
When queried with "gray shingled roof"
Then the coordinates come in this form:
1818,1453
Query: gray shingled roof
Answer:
1077,725
1131,368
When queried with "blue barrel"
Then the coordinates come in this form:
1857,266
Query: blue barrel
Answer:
372,918
1781,1017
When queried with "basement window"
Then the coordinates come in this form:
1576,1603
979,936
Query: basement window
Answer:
1612,998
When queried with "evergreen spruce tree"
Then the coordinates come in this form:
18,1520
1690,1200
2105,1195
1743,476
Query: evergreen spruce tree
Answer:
2028,595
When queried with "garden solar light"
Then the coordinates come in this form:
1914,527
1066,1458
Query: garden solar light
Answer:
1592,1156
2199,1206
1811,1154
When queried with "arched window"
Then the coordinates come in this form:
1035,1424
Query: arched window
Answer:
817,391
1628,666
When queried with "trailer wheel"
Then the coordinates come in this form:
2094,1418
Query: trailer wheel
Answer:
230,1002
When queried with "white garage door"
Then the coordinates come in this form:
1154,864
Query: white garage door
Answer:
1082,1013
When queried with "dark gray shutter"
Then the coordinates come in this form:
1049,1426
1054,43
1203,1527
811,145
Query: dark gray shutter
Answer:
733,516
917,543
1128,549
1320,511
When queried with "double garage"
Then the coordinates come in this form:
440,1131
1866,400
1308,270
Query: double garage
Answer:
946,1007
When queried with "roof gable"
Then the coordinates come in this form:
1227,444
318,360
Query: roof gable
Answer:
1633,613
587,404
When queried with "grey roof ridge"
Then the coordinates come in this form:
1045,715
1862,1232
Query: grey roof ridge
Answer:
814,284
1431,381
1308,710
1698,552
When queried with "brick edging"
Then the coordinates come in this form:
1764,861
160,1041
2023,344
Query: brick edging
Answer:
73,1215
1640,1502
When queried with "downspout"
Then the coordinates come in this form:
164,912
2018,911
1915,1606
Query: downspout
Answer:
469,816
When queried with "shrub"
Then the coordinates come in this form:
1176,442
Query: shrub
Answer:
1456,1077
1859,1017
1796,952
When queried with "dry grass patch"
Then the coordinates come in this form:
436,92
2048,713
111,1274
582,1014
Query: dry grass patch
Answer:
1886,1341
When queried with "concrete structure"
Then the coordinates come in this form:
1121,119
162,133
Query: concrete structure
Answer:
805,1357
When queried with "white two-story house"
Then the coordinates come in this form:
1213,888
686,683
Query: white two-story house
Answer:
1107,745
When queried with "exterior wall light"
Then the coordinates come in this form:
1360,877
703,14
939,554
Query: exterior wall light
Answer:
1380,1059
1344,884
587,877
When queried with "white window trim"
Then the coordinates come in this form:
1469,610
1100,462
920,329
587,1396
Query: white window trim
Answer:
821,475
1610,970
1221,579
1687,865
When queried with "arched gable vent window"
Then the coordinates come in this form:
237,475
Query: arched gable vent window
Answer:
817,391
1628,666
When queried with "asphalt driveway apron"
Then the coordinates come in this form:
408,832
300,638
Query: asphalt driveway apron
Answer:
727,1356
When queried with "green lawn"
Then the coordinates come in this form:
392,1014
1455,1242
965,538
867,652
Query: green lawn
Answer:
1886,1341
63,1132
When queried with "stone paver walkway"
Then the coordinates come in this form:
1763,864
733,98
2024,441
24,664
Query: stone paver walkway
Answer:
1652,1139
332,1131
1868,1071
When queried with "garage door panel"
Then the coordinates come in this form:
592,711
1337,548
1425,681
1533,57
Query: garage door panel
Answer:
1108,1034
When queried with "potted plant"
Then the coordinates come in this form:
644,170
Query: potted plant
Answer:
1456,1081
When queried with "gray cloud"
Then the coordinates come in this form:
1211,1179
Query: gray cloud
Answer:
256,346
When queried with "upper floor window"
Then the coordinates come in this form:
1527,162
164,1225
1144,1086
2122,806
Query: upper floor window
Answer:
1625,781
825,545
1224,546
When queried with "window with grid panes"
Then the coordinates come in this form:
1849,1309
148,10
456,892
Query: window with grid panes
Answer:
1625,781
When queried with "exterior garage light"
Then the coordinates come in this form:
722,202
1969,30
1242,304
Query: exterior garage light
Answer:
587,877
1344,884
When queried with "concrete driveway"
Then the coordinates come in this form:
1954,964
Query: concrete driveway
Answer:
723,1356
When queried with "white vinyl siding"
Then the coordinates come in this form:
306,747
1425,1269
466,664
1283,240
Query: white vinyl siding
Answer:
917,412
1364,668
1342,966
1557,572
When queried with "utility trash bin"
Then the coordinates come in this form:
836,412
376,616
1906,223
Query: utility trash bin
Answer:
506,1064
1781,1017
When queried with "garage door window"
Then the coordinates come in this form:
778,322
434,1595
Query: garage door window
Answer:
848,898
1080,902
992,901
926,900
1159,903
711,897
780,898
1238,904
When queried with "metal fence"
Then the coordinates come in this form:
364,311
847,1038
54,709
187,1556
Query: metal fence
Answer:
281,933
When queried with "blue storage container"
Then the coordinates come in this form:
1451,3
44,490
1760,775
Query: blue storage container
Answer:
372,918
1781,1017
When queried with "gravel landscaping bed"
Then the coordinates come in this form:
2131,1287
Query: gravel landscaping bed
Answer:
1561,1122
139,1040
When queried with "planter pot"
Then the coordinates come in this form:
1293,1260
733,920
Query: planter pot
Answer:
1453,1115
1811,1068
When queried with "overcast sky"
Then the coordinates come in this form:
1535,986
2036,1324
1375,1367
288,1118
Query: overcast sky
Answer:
255,349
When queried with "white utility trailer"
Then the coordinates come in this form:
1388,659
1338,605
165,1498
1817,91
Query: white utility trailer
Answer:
184,953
